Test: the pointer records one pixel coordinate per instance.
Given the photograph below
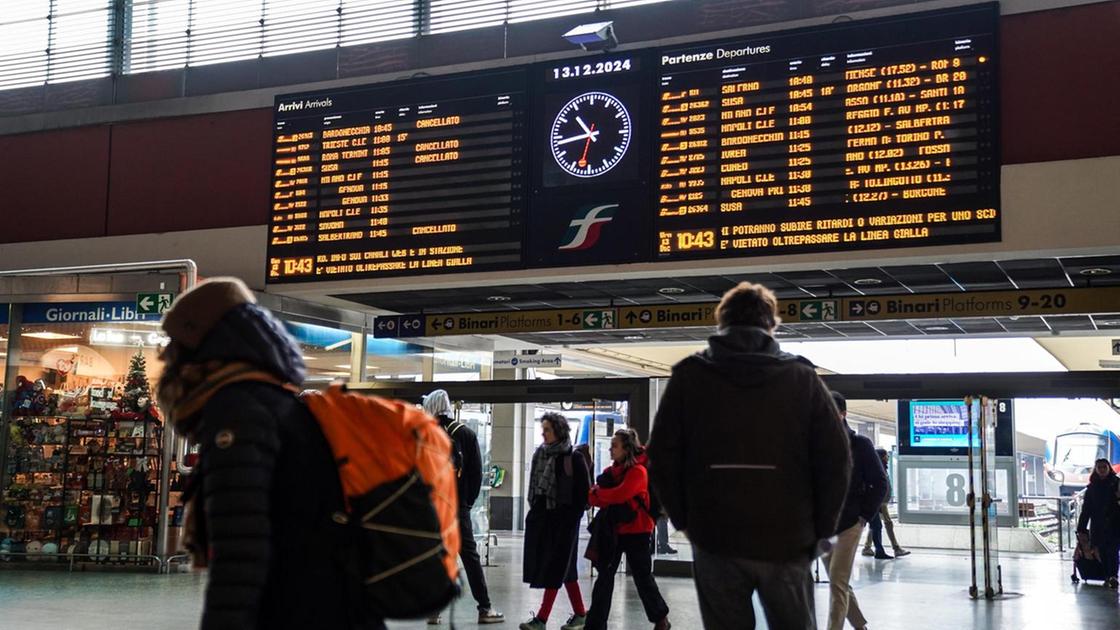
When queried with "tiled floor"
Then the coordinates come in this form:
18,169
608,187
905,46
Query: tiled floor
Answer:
927,590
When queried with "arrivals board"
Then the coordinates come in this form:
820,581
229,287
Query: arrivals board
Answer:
852,135
392,180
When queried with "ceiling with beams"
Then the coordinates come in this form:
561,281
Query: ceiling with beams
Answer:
1036,273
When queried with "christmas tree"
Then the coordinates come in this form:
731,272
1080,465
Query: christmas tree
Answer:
137,395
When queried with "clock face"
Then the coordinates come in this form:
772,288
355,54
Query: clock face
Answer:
590,134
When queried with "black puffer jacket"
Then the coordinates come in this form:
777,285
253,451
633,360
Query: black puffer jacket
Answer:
747,452
269,487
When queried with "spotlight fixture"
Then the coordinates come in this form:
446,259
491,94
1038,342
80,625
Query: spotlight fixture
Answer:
867,282
671,291
498,298
1096,271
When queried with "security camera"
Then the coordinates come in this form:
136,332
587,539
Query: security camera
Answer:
597,36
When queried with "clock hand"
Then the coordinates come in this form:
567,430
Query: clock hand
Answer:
590,136
575,138
581,124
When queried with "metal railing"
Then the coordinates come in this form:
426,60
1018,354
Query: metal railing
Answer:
1051,517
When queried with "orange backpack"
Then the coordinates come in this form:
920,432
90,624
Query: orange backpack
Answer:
394,462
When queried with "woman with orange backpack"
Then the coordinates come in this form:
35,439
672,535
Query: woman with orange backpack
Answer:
261,498
624,489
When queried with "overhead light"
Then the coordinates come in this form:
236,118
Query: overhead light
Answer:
49,335
1096,271
670,291
938,328
65,349
634,337
334,373
1109,364
338,344
867,282
1110,322
498,298
344,366
594,36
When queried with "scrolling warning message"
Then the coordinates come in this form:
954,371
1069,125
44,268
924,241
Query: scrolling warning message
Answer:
841,137
380,181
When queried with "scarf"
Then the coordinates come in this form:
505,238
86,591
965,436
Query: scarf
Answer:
542,479
183,391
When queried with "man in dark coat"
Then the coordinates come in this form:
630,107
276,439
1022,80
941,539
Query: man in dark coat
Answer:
866,492
464,447
745,429
266,485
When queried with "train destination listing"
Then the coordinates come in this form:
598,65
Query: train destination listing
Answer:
878,133
365,188
787,145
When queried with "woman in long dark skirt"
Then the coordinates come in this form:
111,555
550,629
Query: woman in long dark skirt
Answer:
558,487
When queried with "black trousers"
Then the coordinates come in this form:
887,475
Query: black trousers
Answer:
472,563
1110,556
636,549
726,585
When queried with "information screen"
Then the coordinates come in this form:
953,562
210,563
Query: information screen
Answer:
941,423
843,137
868,134
422,177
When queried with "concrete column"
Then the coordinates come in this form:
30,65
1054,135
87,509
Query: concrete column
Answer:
507,450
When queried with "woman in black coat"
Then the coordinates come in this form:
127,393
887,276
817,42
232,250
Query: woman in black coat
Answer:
1100,517
266,485
558,487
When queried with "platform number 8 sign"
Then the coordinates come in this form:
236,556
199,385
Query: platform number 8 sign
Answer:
955,496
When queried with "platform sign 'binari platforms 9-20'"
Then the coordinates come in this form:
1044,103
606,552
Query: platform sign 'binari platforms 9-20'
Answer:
849,136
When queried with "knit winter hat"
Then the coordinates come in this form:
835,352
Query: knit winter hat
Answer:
197,311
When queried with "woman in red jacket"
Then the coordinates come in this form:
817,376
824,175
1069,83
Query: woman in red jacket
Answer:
626,484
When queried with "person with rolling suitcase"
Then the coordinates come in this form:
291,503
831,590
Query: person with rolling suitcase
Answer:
1098,529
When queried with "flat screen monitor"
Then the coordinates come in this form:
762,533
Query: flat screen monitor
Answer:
940,427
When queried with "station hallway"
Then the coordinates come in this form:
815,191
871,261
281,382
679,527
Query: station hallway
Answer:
925,591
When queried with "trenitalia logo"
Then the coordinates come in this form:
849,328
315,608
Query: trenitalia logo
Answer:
583,231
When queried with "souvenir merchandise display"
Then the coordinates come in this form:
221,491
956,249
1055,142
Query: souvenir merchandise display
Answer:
82,471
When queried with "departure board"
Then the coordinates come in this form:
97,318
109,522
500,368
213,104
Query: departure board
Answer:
842,137
422,177
877,133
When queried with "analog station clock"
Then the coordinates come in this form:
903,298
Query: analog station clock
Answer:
590,134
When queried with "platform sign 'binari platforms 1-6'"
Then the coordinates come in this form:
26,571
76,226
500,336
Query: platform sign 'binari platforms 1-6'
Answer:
842,137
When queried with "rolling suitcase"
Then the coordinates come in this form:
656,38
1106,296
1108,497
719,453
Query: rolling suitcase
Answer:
1087,569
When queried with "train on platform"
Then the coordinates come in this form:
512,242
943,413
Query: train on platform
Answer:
1070,457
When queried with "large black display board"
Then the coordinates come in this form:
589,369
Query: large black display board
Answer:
852,136
878,133
425,177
